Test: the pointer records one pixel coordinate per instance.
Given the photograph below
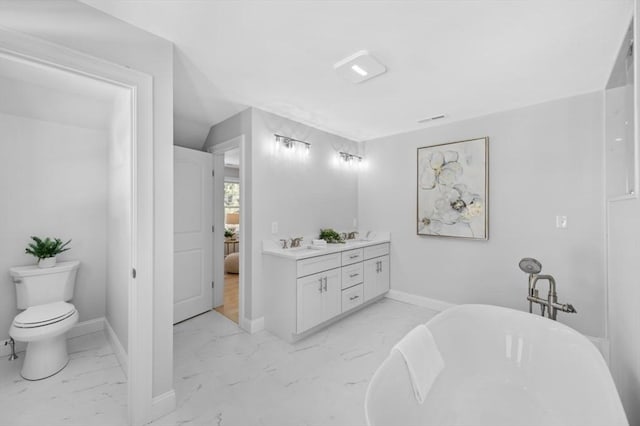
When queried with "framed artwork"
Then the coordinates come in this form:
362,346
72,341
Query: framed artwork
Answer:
453,189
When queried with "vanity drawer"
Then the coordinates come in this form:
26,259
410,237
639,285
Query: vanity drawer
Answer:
352,297
352,275
317,264
376,251
351,256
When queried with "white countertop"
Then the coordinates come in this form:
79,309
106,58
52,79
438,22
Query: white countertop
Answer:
272,248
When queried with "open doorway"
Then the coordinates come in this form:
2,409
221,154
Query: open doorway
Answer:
77,152
230,245
232,229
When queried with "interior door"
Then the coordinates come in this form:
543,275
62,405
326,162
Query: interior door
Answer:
193,233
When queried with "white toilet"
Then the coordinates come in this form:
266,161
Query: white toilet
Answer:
43,294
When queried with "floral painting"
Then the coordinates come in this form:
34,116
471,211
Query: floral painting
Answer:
453,189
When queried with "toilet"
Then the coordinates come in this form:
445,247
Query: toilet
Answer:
43,294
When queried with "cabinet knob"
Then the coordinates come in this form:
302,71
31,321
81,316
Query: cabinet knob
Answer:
325,283
353,275
353,297
320,289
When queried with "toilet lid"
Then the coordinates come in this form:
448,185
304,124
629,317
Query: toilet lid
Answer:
38,316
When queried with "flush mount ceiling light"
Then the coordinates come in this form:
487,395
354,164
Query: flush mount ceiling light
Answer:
359,67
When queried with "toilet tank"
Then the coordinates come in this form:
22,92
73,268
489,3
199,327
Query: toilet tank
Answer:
38,286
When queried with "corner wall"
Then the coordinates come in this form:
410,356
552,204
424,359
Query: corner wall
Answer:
53,180
301,195
545,160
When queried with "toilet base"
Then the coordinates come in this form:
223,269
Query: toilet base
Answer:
45,358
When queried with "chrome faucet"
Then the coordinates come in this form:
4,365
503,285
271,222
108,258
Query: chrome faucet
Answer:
295,242
550,304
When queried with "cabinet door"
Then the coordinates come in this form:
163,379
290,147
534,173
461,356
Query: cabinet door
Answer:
370,279
376,277
309,297
332,296
384,276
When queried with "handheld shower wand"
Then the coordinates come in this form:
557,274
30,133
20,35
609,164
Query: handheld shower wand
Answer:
533,267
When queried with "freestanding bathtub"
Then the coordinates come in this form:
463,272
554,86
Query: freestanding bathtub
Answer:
501,367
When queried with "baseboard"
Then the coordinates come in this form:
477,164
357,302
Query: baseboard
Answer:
86,327
163,404
80,329
426,302
252,326
600,343
117,347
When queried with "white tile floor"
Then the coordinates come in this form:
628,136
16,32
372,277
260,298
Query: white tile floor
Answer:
91,390
223,376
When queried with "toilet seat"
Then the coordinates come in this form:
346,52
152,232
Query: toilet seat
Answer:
43,315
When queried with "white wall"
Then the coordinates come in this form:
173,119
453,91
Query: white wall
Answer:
85,29
623,257
301,195
545,160
53,182
119,220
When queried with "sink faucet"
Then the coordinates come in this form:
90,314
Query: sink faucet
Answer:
550,304
295,242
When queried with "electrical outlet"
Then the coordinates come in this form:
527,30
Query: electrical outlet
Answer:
561,222
274,227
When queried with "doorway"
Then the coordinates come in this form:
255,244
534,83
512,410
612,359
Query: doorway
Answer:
54,78
232,230
230,211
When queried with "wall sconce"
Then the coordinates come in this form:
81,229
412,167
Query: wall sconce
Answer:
291,144
350,158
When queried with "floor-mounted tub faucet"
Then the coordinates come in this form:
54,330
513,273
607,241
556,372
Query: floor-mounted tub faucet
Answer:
550,304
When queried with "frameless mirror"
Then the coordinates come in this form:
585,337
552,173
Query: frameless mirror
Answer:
620,135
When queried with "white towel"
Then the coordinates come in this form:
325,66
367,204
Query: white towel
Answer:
423,359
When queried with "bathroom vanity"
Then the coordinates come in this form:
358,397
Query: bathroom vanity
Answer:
307,289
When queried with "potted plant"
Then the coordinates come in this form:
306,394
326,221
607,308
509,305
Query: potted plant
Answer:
46,250
229,233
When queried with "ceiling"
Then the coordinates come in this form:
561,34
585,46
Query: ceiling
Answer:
459,58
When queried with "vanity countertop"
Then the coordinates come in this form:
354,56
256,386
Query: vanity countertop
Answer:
272,248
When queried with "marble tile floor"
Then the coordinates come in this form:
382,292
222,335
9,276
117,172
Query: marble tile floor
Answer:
91,390
224,376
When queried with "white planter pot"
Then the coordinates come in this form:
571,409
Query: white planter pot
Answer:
48,262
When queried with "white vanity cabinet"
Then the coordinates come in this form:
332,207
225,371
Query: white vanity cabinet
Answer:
318,299
305,290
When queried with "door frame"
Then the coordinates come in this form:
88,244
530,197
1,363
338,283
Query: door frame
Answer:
218,151
38,52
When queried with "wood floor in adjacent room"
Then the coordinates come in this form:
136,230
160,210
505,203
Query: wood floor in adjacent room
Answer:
230,307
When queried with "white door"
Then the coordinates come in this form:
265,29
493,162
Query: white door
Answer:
193,233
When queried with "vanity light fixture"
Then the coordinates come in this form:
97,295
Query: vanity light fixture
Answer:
350,158
290,143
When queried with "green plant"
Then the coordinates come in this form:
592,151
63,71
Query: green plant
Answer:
330,236
43,249
228,232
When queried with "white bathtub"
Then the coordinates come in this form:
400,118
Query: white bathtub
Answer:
501,367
